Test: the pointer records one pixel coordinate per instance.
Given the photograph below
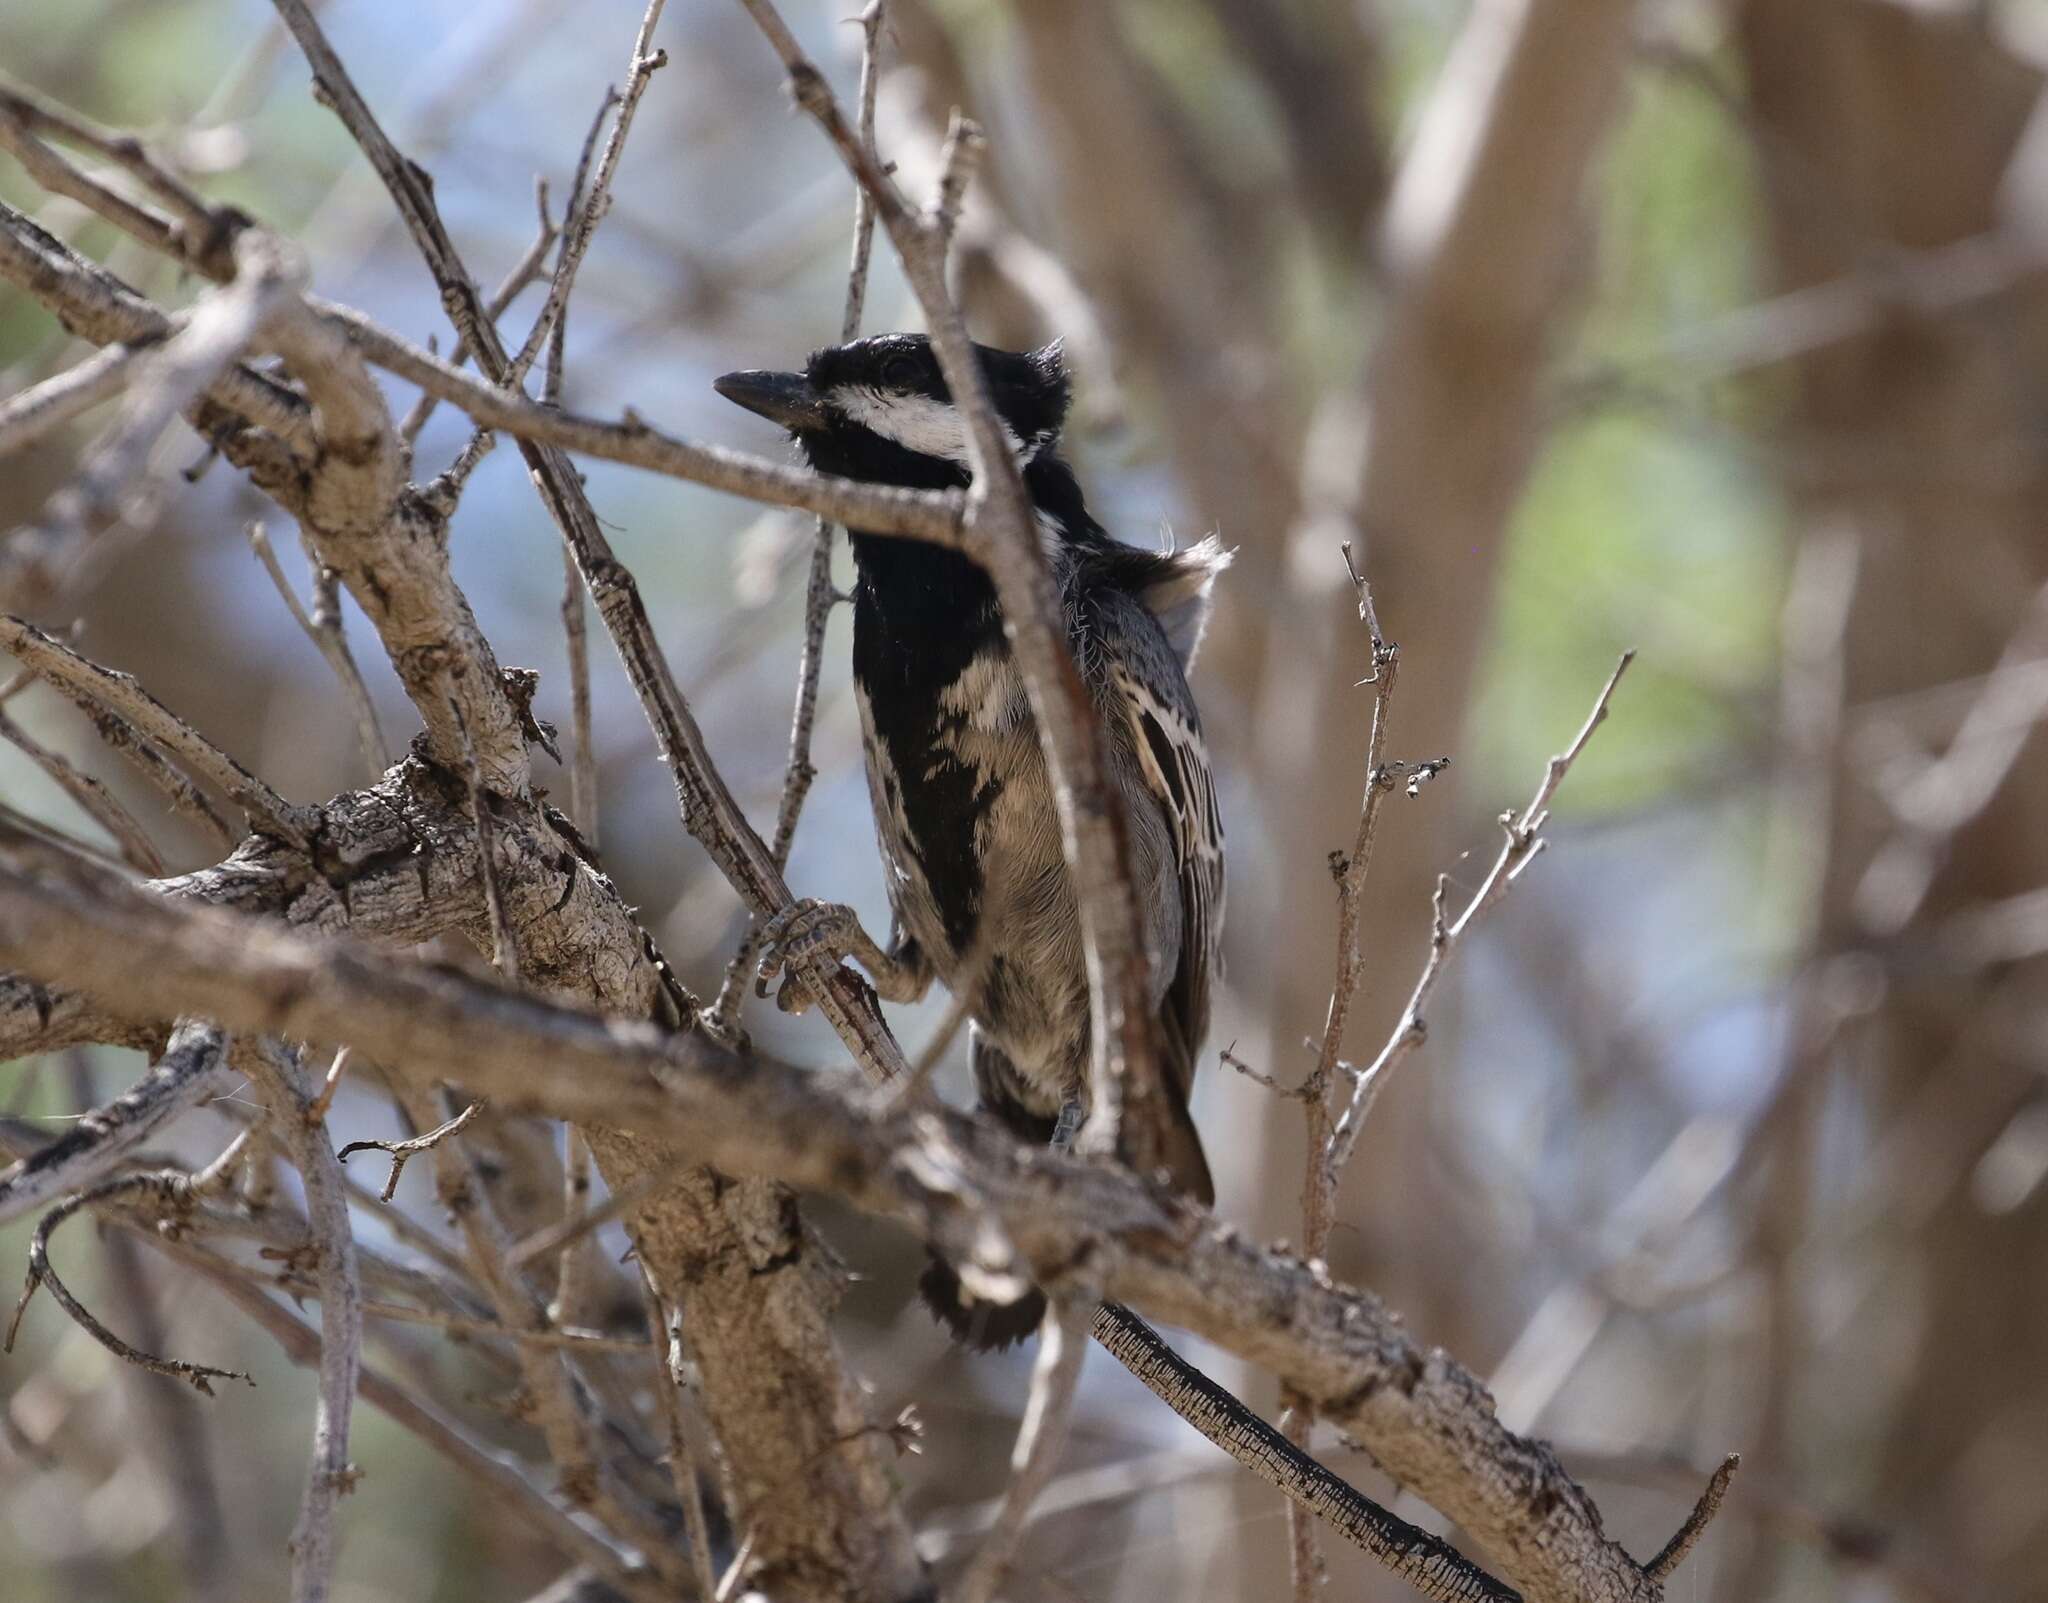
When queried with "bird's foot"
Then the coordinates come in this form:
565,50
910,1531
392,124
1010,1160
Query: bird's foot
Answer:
1068,1124
807,930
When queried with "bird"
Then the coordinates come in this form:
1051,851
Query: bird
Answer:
980,892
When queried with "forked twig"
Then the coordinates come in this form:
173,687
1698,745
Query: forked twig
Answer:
403,1152
1525,842
40,1273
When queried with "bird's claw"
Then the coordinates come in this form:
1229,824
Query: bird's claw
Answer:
801,931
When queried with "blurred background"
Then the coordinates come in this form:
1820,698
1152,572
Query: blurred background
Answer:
1712,329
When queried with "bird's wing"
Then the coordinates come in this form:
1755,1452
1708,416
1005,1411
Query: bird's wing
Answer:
1166,732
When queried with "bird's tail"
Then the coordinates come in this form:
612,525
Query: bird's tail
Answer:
985,1326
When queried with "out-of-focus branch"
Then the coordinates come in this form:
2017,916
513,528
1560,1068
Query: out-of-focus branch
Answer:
1524,842
98,803
102,495
276,1075
190,1070
1042,1435
29,415
323,627
819,595
104,690
1426,1420
93,305
197,231
494,1471
1142,236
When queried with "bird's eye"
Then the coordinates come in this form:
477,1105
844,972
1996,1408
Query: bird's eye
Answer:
900,372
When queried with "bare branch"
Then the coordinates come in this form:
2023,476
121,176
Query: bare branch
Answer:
105,690
324,628
819,595
527,270
1041,1437
1687,1535
496,1472
1319,1179
199,1376
581,224
1427,1421
1430,1565
1524,842
190,1070
936,515
34,412
94,305
92,797
331,1477
402,1152
198,229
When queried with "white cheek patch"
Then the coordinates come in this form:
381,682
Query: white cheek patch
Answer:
915,422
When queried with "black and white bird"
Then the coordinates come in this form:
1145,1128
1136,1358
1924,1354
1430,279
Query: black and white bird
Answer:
963,805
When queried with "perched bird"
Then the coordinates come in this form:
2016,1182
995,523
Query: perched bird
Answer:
963,804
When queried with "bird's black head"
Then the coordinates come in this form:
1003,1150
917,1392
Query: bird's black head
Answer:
878,409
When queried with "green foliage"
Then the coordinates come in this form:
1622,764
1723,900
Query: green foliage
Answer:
1646,525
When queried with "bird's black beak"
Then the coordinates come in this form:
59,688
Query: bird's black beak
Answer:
785,398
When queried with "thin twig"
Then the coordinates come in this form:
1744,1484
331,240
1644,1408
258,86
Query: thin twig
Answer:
682,1463
1525,842
200,1376
569,1337
37,411
556,1237
581,224
1319,1179
202,224
819,592
1432,1566
527,270
276,1074
583,801
494,1470
189,1071
1687,1536
110,493
403,1152
93,798
103,689
1041,1436
324,628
